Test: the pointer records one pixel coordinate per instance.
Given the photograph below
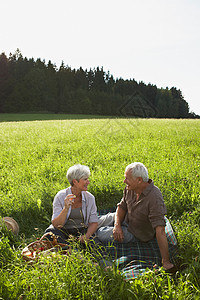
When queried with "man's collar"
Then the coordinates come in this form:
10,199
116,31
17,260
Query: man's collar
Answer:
148,188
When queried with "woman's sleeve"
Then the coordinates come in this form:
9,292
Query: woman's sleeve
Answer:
93,211
57,206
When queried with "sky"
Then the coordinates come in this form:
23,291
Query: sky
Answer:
154,41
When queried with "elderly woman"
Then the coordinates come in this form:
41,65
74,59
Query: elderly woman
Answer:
74,208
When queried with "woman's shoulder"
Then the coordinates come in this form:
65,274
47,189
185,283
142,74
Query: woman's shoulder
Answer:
88,195
63,192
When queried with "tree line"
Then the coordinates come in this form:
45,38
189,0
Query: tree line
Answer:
28,85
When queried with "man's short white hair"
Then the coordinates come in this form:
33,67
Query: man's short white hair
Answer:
138,170
77,172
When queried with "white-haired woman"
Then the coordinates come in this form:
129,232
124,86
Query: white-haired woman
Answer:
74,208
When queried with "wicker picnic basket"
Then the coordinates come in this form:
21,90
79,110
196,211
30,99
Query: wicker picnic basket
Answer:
44,247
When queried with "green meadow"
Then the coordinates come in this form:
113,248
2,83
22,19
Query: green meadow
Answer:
35,153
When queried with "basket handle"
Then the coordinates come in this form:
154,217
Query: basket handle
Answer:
45,236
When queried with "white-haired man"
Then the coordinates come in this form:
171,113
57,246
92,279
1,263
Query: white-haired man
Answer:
139,215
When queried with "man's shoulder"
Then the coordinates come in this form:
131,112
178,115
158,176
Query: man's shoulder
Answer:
153,193
153,188
156,191
155,197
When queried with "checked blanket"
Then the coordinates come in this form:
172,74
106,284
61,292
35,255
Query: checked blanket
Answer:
134,258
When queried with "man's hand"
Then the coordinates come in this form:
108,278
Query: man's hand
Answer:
118,233
163,246
167,265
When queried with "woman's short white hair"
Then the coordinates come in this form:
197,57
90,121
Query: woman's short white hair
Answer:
77,172
138,170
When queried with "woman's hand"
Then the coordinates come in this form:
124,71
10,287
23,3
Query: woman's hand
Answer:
92,227
69,200
83,239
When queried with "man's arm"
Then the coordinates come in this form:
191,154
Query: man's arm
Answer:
119,218
163,246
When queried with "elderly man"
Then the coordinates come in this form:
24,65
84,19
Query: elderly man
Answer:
139,215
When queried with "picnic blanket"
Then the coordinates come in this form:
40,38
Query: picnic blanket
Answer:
134,258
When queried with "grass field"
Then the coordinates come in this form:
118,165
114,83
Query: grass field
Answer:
35,155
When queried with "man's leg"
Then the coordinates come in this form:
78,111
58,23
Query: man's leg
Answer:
106,220
128,236
105,234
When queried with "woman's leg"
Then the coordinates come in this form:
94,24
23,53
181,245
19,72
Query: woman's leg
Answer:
61,235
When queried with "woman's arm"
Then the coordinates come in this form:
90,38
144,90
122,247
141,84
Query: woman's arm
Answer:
59,221
92,227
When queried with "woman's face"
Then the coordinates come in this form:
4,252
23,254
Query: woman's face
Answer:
82,184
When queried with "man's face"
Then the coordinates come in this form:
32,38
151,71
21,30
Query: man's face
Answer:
131,182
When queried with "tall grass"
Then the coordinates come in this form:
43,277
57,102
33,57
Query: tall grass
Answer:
35,156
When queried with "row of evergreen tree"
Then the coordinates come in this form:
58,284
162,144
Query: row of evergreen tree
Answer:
28,85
